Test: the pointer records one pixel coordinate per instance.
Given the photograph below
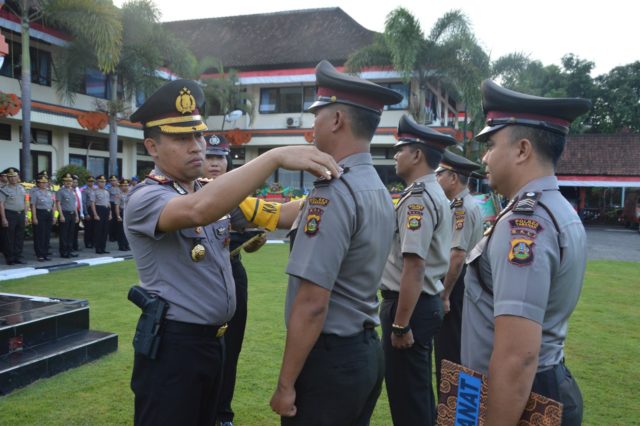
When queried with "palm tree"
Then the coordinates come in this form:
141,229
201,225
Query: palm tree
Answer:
94,22
449,56
146,48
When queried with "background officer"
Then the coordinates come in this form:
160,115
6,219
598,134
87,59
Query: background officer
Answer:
339,245
114,199
101,210
411,311
79,212
42,206
67,216
524,277
123,243
183,258
13,217
453,176
88,213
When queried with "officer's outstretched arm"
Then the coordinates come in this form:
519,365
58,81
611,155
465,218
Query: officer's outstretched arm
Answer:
270,215
226,192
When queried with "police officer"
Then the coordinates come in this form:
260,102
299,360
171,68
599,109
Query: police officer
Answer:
524,277
88,213
79,212
42,218
123,244
12,216
101,210
182,258
411,311
67,216
453,176
3,179
339,245
114,199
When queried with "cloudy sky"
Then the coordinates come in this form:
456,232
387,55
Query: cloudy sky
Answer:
606,33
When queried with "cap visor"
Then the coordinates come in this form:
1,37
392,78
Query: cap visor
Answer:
487,131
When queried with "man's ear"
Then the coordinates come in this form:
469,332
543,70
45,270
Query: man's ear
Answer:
150,145
339,120
525,150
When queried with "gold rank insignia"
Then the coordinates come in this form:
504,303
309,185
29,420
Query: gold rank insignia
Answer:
198,252
185,102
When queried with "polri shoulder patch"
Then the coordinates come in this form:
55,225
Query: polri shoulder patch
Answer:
459,219
314,217
521,253
526,204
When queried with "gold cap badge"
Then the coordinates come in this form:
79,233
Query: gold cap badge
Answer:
185,102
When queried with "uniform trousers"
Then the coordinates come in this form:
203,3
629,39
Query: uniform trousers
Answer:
101,229
340,382
233,341
558,384
180,386
88,231
113,223
447,342
66,232
408,371
123,243
14,235
74,238
42,232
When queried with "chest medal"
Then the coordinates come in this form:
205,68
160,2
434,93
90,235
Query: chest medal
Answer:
198,251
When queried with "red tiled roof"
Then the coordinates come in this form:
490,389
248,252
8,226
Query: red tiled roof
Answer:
299,38
599,154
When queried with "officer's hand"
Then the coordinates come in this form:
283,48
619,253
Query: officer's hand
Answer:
119,218
77,219
446,304
96,217
5,223
61,219
34,221
307,158
256,244
402,342
283,401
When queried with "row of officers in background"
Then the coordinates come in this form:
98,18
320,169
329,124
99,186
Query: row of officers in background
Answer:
98,206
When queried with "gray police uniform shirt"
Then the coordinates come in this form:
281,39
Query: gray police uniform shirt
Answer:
122,200
67,199
344,232
100,197
41,199
423,228
86,201
467,222
114,194
201,292
13,197
522,265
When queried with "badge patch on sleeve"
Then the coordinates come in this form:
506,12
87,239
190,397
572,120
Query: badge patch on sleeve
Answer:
312,225
318,201
525,227
414,221
521,253
459,219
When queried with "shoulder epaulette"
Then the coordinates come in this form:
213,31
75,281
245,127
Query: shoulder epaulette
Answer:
162,180
417,188
456,203
526,204
318,183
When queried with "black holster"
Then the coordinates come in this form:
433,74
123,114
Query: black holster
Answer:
146,340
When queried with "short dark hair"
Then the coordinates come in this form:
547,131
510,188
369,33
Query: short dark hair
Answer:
363,123
432,156
464,180
548,145
151,133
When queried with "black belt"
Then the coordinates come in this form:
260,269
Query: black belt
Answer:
191,329
390,294
13,211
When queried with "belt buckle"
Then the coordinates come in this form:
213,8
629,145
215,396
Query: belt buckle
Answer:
222,330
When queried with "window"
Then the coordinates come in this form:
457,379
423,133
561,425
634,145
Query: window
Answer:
383,153
40,161
39,136
140,149
40,64
91,142
237,153
5,132
401,88
96,84
144,168
286,100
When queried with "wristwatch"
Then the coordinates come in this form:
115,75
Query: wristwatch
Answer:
399,330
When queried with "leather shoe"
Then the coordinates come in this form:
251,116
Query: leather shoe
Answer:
42,259
226,423
73,255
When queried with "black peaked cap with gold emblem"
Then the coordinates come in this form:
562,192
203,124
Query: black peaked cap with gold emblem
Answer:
176,107
504,107
67,177
217,145
12,171
457,163
336,87
411,132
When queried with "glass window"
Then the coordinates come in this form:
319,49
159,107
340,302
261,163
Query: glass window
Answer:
5,132
98,166
91,142
309,97
307,181
289,178
268,100
290,99
403,89
40,63
78,160
237,153
95,84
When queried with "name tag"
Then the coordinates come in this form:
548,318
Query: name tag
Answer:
468,400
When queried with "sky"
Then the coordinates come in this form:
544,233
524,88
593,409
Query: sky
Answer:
606,32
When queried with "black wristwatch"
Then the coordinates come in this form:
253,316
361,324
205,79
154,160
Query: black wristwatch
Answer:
399,330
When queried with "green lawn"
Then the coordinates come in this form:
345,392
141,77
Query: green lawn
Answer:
602,350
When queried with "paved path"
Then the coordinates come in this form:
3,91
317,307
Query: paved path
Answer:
613,243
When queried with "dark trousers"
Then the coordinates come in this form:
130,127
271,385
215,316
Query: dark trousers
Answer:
88,231
14,235
66,232
42,232
340,381
233,342
408,371
113,223
74,238
558,384
123,243
101,229
446,344
181,386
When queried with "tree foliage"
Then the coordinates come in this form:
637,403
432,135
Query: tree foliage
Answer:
617,104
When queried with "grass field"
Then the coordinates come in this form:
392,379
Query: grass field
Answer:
603,349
